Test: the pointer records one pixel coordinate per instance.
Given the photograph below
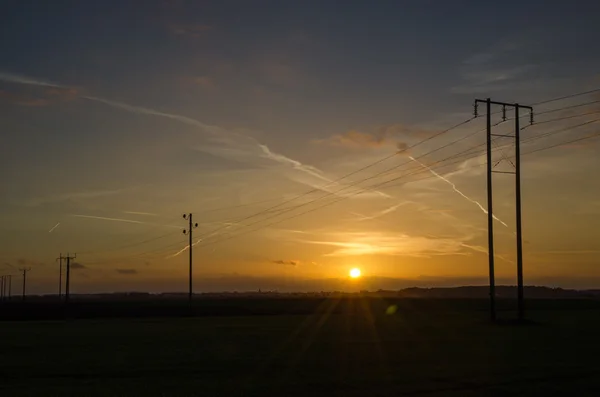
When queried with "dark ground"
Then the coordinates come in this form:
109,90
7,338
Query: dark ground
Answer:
342,347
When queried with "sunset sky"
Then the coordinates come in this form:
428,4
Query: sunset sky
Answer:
116,117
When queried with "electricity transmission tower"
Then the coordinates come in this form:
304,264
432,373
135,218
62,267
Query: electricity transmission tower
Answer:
188,231
488,102
60,261
68,258
25,270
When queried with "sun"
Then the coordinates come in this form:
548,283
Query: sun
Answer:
355,272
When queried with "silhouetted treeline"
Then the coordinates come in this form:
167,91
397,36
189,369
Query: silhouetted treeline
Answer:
406,302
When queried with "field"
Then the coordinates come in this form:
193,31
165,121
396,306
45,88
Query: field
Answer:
340,347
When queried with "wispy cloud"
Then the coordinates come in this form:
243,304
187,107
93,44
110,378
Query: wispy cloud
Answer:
127,272
567,252
77,266
500,67
203,81
389,135
381,243
288,263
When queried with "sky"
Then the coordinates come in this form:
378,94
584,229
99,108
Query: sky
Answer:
306,138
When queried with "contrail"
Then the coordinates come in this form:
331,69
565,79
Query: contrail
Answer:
152,112
382,212
13,78
485,251
218,133
55,226
110,219
456,189
215,131
139,213
230,224
103,218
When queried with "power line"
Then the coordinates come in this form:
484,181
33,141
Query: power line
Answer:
378,185
291,208
566,97
350,174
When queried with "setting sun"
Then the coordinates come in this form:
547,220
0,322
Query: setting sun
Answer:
355,272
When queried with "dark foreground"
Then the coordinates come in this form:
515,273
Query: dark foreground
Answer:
344,347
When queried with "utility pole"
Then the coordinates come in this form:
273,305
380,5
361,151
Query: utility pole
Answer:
517,173
9,286
60,260
188,231
2,288
25,270
68,278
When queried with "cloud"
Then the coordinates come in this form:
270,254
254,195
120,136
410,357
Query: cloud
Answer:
501,67
289,263
126,271
203,81
388,135
384,243
77,266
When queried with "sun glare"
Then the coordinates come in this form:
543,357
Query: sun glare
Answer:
355,272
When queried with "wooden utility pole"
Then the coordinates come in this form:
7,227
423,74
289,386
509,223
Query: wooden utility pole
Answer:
68,276
517,173
60,260
25,271
188,231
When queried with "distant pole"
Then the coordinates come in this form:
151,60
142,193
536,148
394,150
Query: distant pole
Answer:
2,288
520,288
60,260
68,277
25,271
9,286
490,212
188,231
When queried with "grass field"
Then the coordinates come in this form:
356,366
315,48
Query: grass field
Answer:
347,347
